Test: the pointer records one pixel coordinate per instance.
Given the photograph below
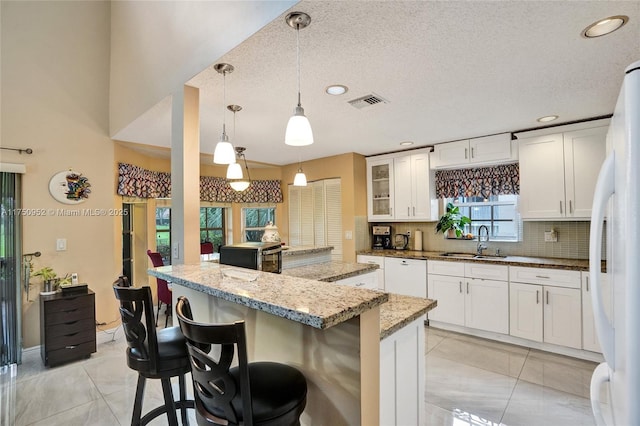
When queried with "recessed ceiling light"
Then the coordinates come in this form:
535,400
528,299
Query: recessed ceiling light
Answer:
604,26
336,89
547,118
406,143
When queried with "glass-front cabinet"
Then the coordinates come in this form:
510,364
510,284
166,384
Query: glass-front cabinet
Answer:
380,188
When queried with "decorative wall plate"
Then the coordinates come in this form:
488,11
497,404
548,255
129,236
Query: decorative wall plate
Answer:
69,187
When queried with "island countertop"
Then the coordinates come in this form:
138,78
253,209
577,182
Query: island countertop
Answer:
330,271
310,302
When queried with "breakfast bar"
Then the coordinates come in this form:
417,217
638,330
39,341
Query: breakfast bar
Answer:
332,333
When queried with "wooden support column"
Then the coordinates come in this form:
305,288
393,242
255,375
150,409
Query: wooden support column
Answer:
185,177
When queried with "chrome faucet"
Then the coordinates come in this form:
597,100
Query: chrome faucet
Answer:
482,246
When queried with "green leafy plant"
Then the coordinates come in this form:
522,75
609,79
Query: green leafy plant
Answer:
48,274
452,219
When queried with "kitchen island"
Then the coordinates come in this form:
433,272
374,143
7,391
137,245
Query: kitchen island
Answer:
332,333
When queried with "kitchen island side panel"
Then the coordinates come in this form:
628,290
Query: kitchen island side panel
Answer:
340,363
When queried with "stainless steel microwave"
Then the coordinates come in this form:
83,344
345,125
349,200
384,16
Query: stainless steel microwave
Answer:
266,257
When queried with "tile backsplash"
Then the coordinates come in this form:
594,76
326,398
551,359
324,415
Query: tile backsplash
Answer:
573,240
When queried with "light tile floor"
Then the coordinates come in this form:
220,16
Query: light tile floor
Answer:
469,381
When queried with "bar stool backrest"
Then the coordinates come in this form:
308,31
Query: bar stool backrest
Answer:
136,312
214,387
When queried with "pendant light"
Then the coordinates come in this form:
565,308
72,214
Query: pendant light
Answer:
234,171
300,179
223,153
298,131
242,183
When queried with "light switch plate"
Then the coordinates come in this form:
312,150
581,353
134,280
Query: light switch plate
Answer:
61,244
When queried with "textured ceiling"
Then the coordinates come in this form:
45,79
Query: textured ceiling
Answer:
449,70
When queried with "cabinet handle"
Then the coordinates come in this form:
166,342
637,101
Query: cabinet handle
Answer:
408,211
537,297
71,347
414,211
542,276
471,152
467,287
587,282
390,211
359,284
460,286
560,206
465,153
570,207
547,297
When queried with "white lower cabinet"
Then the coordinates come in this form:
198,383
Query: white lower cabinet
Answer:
405,276
589,336
473,295
549,312
402,376
368,281
375,260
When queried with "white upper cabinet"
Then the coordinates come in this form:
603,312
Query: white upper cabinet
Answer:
380,188
558,173
475,152
401,187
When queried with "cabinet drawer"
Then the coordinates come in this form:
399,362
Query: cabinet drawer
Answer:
67,316
361,281
70,352
62,329
484,271
376,260
552,277
70,339
68,304
455,269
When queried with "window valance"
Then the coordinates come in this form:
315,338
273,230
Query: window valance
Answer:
142,183
479,182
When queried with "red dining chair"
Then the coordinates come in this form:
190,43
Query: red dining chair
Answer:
206,248
164,293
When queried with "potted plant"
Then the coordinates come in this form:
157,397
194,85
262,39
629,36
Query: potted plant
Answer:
452,222
50,278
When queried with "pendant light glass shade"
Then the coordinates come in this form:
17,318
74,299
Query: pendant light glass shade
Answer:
224,153
300,179
298,131
234,171
239,185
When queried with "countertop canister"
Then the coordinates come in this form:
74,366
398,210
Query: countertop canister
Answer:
417,245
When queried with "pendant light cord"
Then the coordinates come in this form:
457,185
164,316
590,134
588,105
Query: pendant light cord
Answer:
224,103
298,58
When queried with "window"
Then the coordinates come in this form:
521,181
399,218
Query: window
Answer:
254,221
163,233
499,213
212,227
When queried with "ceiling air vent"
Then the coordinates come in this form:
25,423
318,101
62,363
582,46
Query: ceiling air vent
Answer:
367,101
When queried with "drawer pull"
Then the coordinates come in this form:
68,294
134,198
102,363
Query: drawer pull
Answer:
547,297
587,282
71,346
69,335
543,277
460,286
537,297
359,284
467,287
70,310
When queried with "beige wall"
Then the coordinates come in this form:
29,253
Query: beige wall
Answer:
55,92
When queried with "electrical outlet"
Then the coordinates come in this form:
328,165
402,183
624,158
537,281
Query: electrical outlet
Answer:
408,233
550,236
176,251
61,244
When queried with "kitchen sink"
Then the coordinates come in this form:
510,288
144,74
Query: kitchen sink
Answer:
473,256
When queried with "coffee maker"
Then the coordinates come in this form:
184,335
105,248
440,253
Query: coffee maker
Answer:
382,238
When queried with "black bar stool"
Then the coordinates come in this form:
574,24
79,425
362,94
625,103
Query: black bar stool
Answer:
257,393
154,355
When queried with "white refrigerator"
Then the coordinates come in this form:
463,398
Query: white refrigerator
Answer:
615,384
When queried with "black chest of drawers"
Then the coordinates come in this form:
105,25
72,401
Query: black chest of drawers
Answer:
67,327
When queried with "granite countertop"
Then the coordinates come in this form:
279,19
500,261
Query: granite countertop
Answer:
330,271
536,262
310,302
300,250
400,311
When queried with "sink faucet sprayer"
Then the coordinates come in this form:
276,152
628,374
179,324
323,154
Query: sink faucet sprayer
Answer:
482,246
